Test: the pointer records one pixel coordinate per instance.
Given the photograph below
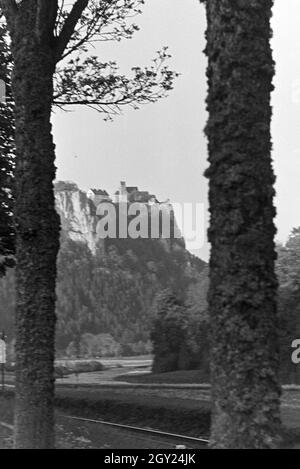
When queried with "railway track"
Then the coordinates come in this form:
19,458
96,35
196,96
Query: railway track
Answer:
153,435
6,425
172,440
178,439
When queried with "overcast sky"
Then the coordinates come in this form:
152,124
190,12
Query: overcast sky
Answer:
161,147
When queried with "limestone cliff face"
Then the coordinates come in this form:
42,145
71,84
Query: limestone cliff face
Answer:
76,214
79,217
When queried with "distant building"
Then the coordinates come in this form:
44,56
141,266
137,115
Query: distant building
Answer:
116,197
124,194
98,196
131,190
140,196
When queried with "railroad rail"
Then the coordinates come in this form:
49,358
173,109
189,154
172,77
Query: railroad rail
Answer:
149,431
6,425
145,431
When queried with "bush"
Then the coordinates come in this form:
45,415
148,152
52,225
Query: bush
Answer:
73,367
179,337
91,345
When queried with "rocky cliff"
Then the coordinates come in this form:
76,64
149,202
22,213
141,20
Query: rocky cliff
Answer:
77,215
106,296
79,218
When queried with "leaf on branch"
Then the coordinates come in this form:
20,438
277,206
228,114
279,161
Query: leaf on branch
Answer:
105,20
100,85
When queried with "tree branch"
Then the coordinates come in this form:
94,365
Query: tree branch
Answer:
69,26
92,83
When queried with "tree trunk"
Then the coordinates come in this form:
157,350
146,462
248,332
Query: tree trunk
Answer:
6,162
37,230
243,285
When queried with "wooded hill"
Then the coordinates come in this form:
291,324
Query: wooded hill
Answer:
105,298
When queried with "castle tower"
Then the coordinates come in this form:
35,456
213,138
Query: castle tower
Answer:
123,196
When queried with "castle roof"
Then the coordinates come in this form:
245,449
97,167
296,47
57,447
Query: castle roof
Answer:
131,189
140,196
144,193
99,192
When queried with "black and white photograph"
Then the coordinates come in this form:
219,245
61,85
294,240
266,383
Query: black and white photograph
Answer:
149,227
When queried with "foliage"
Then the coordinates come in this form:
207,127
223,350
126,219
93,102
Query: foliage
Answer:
105,302
115,294
100,86
91,345
81,78
179,336
288,271
68,367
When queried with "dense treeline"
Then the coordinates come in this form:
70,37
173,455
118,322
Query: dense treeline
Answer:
109,304
288,271
180,331
105,302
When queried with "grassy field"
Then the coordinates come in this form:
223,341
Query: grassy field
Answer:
146,409
112,394
174,377
140,407
110,362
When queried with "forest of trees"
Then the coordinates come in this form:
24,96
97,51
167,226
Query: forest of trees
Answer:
180,327
121,303
112,293
288,272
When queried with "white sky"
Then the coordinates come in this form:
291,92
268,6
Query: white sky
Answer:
161,147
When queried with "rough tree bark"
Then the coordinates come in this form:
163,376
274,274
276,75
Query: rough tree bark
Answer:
37,228
243,285
6,160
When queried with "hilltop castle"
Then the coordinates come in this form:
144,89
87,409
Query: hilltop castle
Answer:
81,211
124,194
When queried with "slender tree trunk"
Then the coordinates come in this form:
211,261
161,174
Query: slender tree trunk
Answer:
6,161
243,285
37,228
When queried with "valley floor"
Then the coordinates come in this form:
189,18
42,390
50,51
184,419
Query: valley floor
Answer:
173,402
